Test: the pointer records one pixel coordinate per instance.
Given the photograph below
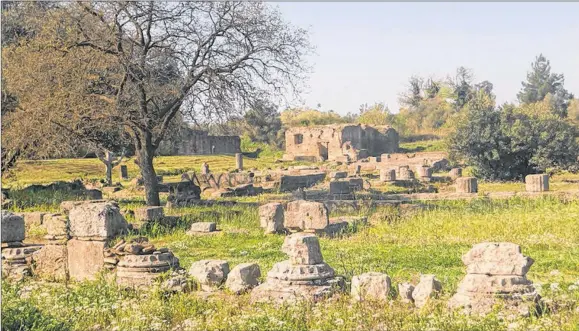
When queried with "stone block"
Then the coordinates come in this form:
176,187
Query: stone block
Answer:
497,259
209,273
404,173
203,227
424,173
537,183
97,221
303,248
271,217
243,277
94,194
51,262
340,187
13,228
56,224
149,213
338,174
387,175
405,291
66,206
466,185
371,286
306,215
480,283
356,184
85,259
428,287
32,219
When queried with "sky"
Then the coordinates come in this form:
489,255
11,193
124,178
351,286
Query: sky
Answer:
366,52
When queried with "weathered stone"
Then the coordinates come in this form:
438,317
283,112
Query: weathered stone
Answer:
454,173
124,172
133,248
428,287
149,213
306,215
466,185
32,219
300,274
94,194
271,217
141,271
537,183
497,259
356,184
338,174
424,173
13,228
404,173
85,259
56,225
293,182
176,284
239,161
209,273
387,175
480,283
97,220
340,187
243,277
14,264
50,262
66,206
405,291
371,286
303,248
202,227
205,168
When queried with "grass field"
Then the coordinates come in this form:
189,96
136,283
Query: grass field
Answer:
401,244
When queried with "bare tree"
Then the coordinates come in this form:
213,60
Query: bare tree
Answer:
148,61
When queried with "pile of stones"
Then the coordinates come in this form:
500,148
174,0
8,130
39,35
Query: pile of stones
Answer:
496,272
303,276
212,274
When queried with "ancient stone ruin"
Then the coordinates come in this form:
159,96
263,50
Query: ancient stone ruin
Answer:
14,264
537,183
496,273
304,276
348,142
466,185
371,286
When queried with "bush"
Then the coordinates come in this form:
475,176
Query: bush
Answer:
510,142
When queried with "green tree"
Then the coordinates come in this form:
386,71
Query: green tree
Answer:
263,122
376,115
540,82
510,142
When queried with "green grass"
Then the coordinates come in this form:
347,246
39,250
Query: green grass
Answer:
402,245
423,146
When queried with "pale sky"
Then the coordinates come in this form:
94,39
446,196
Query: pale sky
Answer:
366,52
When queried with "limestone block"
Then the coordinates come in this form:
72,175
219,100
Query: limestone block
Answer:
497,259
300,274
66,206
454,173
34,218
338,174
85,258
340,187
428,287
205,168
537,183
405,291
306,215
356,184
303,248
50,262
387,175
243,277
209,273
494,284
466,185
97,220
149,213
13,228
56,224
424,172
271,217
404,173
373,286
203,227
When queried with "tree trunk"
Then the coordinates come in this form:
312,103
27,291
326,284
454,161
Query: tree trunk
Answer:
145,156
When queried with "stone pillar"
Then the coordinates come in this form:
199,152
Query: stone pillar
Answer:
404,173
357,170
454,173
124,172
424,173
466,185
387,175
205,168
239,161
537,183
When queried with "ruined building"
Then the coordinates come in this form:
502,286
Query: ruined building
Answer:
188,141
346,142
